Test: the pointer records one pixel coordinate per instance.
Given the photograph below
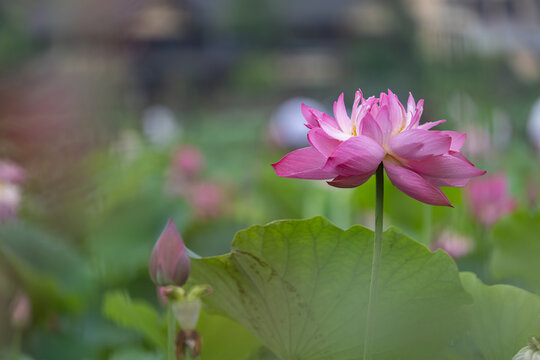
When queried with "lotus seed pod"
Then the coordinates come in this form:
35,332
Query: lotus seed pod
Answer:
187,313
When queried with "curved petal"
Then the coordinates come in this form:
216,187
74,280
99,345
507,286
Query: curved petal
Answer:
418,143
321,141
374,107
417,114
340,113
429,125
445,166
384,123
304,163
460,156
358,155
329,125
395,112
370,128
349,181
328,120
311,115
411,105
447,182
357,98
415,185
458,139
411,110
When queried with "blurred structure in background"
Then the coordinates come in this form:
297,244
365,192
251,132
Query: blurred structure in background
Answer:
533,126
287,124
451,29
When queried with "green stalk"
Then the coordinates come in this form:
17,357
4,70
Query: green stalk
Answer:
426,226
376,264
171,333
16,349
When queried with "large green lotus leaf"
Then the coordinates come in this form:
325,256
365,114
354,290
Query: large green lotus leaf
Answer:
301,286
502,319
516,248
225,339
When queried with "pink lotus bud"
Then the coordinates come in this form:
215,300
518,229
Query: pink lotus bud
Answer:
169,262
489,199
21,311
454,244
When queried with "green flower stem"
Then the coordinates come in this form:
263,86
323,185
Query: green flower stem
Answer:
171,333
426,226
16,346
484,251
376,264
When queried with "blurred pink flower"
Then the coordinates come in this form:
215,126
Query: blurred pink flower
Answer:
207,199
169,261
21,311
10,199
489,199
10,172
348,150
188,161
479,141
454,244
11,175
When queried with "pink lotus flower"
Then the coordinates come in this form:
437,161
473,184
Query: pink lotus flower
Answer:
169,262
489,199
348,149
207,200
454,244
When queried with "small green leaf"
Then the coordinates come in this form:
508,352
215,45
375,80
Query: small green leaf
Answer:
502,318
301,287
136,315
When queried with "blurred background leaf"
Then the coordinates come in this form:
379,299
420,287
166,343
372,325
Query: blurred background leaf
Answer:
502,319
